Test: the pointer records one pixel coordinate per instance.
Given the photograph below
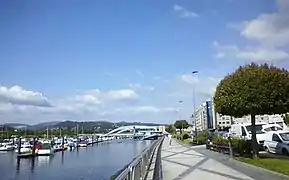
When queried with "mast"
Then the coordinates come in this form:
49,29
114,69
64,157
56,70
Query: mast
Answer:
47,132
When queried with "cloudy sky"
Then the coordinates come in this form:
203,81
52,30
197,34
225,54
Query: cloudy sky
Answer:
129,60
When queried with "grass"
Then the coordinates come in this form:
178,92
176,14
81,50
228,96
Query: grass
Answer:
276,165
186,141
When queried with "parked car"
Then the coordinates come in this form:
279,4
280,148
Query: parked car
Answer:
277,142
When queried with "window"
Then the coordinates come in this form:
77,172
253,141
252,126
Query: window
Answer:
285,136
243,131
273,128
276,138
220,122
223,122
228,122
257,127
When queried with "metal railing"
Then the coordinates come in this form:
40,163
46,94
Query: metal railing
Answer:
158,170
138,168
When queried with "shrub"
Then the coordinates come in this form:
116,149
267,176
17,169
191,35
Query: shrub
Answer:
186,136
239,146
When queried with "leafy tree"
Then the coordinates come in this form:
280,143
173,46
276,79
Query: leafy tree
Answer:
253,90
181,124
170,128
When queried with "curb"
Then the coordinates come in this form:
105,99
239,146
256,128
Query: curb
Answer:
259,168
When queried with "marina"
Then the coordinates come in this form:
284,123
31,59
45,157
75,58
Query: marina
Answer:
97,161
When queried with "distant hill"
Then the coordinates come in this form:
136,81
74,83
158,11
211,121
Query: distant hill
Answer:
16,125
86,126
6,128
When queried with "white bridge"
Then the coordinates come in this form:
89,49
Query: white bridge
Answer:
129,131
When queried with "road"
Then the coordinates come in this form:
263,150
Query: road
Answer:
196,162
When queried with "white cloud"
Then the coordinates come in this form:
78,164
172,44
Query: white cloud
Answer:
184,13
256,54
139,87
113,105
17,95
267,37
189,78
130,104
204,86
124,94
268,29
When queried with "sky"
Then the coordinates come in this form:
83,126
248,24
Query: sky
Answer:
129,60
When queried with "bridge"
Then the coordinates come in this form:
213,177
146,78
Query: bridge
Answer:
129,131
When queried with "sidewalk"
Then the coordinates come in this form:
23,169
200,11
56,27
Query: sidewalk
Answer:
184,163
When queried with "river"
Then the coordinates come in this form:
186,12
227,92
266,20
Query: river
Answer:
97,162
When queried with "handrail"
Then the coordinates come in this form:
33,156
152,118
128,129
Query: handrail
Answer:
158,170
138,168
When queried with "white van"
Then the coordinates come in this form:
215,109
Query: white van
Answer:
277,142
244,130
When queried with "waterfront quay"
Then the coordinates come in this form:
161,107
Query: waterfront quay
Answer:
99,161
180,162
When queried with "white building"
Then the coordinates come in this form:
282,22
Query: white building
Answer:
200,118
271,119
204,116
221,121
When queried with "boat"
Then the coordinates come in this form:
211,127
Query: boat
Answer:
82,144
25,148
7,147
45,149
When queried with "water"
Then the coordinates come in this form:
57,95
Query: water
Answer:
96,162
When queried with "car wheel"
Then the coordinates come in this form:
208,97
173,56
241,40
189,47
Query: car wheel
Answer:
266,149
285,152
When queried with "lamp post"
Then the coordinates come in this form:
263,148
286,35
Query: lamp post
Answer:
180,118
194,101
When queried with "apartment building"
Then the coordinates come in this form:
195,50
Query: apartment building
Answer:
204,116
271,119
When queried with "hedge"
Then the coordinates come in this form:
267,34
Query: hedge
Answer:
240,146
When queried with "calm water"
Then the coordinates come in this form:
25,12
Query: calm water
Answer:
95,162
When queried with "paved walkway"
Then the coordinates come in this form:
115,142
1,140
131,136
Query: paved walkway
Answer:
187,163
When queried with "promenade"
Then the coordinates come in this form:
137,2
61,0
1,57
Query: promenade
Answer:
196,162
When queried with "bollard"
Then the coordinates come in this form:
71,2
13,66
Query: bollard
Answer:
62,143
77,143
33,147
19,146
92,140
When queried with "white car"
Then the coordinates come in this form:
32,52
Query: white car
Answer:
277,142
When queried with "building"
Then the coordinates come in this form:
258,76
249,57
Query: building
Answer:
271,119
226,121
204,116
221,120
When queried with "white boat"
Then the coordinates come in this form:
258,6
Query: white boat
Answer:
7,147
45,150
82,144
25,148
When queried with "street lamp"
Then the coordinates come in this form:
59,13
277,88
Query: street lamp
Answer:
181,118
194,115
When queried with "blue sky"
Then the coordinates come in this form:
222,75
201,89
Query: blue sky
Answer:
128,60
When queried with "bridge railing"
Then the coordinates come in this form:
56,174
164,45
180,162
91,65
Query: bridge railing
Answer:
139,167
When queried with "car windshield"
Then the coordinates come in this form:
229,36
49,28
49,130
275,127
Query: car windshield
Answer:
273,128
284,136
257,127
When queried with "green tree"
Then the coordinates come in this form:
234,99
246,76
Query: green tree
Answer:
253,90
181,124
170,129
